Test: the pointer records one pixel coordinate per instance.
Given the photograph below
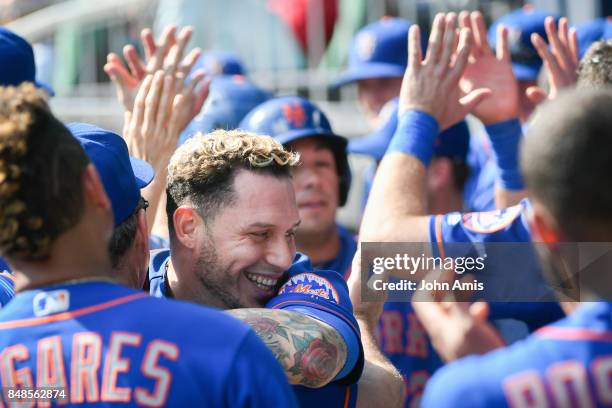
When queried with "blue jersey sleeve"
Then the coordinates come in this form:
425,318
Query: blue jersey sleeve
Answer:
323,295
505,225
258,382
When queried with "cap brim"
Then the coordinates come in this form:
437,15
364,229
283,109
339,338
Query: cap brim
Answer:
524,72
291,136
46,87
368,71
143,172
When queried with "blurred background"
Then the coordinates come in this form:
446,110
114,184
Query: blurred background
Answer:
288,46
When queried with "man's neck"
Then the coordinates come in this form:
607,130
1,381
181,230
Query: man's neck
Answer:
321,247
71,259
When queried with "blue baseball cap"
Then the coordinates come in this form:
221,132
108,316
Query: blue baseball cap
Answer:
454,142
289,118
17,61
216,62
379,50
123,176
229,100
591,31
521,23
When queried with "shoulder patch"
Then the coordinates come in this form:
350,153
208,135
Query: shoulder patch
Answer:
311,284
491,221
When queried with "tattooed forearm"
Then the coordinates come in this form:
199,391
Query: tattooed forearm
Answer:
311,352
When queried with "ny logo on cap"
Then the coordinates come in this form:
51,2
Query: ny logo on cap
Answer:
294,114
366,44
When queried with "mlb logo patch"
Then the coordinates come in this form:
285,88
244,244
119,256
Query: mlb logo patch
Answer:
47,303
311,284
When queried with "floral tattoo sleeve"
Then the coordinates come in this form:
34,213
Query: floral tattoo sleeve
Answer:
311,352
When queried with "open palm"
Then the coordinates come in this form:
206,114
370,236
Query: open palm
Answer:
488,70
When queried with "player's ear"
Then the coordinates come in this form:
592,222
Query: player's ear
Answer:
187,223
543,227
93,188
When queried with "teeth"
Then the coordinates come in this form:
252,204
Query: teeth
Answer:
264,283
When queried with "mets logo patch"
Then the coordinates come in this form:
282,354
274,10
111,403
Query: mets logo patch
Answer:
46,303
366,44
311,284
491,221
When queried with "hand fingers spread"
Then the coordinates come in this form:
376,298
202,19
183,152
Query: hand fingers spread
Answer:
461,59
168,39
573,45
434,47
148,43
558,49
190,60
479,30
502,51
164,104
152,102
139,102
449,42
136,66
550,62
415,56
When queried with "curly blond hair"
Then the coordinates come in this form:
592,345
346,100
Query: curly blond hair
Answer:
41,165
201,170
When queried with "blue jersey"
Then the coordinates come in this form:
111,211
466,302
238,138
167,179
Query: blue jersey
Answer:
322,295
508,225
567,364
101,343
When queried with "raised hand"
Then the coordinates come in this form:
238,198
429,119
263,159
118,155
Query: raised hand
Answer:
162,108
486,69
560,61
456,328
431,85
166,54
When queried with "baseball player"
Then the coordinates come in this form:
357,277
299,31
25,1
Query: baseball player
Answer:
122,177
396,209
232,220
72,336
321,183
377,61
563,364
17,66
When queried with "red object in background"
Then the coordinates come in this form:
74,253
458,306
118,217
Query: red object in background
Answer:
294,14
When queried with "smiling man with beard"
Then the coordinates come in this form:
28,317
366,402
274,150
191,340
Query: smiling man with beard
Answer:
232,218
